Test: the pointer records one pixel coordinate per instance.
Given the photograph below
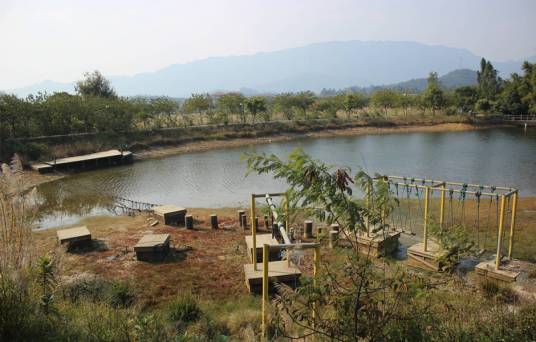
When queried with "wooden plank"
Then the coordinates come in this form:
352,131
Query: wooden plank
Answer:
75,234
278,271
261,240
487,269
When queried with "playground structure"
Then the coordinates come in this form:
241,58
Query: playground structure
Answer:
279,271
423,190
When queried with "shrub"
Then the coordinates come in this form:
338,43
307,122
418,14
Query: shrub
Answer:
489,289
184,309
118,294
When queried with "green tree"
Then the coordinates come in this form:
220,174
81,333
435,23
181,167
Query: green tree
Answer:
233,103
465,98
255,105
405,101
303,100
353,101
434,96
489,82
284,103
95,84
384,98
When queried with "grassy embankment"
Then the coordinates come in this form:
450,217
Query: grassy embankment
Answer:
183,139
205,268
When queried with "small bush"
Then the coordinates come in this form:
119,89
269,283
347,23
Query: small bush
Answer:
121,295
489,289
184,309
507,295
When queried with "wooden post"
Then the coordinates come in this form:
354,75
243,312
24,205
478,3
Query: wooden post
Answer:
500,233
189,222
442,207
265,255
319,232
240,214
214,221
316,267
244,222
512,225
333,236
335,227
266,223
426,204
367,203
287,214
253,233
307,229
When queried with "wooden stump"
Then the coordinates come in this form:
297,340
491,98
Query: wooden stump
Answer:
189,222
266,223
333,237
214,221
244,222
240,214
307,229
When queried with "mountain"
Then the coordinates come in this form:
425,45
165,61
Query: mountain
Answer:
451,80
312,67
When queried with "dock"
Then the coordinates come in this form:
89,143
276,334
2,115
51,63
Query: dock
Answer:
278,272
85,162
261,240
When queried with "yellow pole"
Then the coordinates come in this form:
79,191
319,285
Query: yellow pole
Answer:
287,213
442,209
253,233
316,267
265,254
499,237
367,199
512,225
426,203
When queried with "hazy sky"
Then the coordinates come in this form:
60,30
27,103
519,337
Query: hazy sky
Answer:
60,39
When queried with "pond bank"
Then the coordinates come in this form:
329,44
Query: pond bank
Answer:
206,145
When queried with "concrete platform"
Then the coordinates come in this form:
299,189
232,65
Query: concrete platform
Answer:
278,272
378,245
261,239
73,235
428,258
507,272
170,214
152,247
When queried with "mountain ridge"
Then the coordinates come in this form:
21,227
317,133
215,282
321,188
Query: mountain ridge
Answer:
336,64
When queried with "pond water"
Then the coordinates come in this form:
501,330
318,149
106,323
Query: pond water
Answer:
505,156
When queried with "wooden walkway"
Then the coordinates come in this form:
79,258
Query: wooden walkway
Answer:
88,161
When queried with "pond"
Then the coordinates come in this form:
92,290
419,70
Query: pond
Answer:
217,178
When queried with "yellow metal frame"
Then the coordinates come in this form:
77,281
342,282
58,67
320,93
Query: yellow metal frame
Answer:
443,187
265,280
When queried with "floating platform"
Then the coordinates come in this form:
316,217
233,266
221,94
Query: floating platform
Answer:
152,247
74,235
85,162
170,214
262,239
278,272
428,259
378,245
508,271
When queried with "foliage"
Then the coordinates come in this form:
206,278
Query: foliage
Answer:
385,98
184,309
465,98
255,105
434,95
94,84
455,241
489,82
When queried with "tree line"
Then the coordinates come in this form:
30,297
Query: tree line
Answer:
95,107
